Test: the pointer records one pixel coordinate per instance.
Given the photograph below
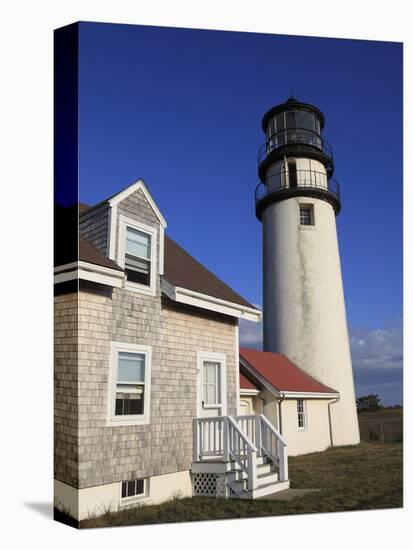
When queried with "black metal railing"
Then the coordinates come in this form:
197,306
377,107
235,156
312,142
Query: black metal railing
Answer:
286,180
294,136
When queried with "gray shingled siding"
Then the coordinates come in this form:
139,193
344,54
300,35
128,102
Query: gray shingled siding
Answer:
137,208
176,333
66,388
94,228
109,454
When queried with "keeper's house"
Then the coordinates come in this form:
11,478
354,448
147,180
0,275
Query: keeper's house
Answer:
153,397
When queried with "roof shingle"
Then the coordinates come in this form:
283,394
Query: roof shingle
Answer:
282,373
182,270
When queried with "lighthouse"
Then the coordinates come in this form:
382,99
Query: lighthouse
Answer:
297,201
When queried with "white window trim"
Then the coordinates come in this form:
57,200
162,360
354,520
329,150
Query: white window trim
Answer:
129,501
304,413
128,420
313,226
125,222
218,358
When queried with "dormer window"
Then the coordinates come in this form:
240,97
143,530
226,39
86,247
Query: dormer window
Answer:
137,254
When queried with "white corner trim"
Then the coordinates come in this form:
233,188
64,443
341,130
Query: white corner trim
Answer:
161,249
113,211
237,382
140,184
125,222
133,420
89,272
204,301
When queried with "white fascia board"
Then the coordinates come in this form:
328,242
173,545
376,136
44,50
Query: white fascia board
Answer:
140,184
204,301
245,393
89,272
260,378
111,231
65,267
309,395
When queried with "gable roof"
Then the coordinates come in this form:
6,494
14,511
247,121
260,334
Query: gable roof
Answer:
113,200
180,268
281,373
183,270
245,383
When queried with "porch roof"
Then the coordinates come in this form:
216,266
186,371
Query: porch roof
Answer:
245,383
281,373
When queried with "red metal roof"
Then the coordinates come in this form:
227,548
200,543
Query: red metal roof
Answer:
245,383
281,373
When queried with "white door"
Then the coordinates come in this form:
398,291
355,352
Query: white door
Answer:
212,400
211,404
244,407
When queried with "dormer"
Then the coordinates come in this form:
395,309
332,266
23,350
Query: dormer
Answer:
129,229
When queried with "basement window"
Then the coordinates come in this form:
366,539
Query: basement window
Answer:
306,214
134,489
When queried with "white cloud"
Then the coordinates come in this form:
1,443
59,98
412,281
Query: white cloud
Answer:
378,362
250,333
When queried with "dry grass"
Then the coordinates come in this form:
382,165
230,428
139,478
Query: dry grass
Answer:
362,477
383,425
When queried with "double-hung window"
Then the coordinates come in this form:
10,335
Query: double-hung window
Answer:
129,384
301,421
137,254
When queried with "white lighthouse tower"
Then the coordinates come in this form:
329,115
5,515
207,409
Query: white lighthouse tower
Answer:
298,201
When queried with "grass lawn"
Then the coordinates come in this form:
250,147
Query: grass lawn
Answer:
362,477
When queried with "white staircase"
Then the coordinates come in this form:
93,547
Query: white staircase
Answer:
268,481
252,452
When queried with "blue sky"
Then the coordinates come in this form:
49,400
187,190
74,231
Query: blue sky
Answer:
183,108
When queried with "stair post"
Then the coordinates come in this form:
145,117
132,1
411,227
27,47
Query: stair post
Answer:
258,434
225,439
252,469
283,461
196,441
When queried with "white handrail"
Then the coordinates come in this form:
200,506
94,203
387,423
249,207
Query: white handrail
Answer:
243,451
274,446
242,439
209,437
273,429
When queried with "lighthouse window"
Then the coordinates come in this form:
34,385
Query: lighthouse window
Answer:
290,119
280,122
306,214
301,123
